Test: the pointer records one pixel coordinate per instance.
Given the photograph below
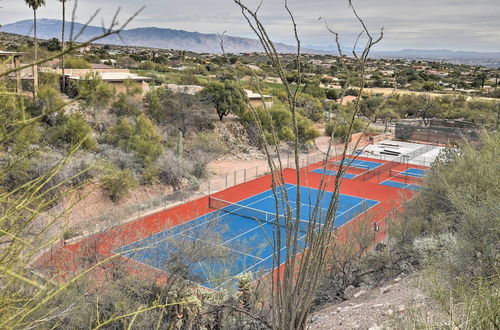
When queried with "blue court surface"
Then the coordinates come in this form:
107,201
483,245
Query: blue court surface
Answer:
333,173
213,249
401,185
369,165
414,172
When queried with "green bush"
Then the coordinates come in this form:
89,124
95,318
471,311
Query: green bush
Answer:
225,97
310,106
150,174
139,135
76,63
94,91
49,79
71,131
119,183
342,129
125,105
48,100
281,117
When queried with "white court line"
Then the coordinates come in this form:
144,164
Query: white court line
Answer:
224,247
404,187
361,202
260,262
190,227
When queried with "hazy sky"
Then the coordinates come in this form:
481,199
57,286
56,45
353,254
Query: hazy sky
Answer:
422,24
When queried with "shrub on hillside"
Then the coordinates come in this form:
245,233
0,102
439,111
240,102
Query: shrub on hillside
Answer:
94,91
125,105
171,169
120,158
76,63
183,111
73,130
119,183
310,106
139,136
279,117
340,130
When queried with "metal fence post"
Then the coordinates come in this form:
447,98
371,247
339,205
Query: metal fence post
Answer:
226,180
235,178
245,175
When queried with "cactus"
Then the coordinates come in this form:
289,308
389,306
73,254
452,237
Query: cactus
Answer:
179,145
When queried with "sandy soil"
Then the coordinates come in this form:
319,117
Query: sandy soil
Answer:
394,305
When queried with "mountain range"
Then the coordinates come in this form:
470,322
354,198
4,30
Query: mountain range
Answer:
150,37
153,37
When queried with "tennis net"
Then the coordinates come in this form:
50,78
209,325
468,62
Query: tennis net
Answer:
254,214
405,176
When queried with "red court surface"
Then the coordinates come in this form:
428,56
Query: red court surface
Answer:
63,261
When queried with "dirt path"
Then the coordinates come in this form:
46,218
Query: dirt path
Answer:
394,305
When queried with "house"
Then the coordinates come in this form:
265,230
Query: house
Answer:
118,80
115,77
259,100
12,61
184,89
346,99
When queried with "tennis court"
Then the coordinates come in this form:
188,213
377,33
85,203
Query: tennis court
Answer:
405,179
365,164
353,167
333,173
235,237
401,185
414,172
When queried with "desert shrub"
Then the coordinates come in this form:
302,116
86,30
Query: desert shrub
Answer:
49,79
208,142
120,158
16,171
119,183
462,199
183,111
200,160
125,105
72,88
310,106
48,100
171,169
139,136
94,91
312,88
73,130
279,116
341,129
76,63
18,139
150,174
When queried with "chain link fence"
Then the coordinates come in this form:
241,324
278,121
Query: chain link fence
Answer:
436,132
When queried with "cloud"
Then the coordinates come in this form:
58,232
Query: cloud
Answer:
424,24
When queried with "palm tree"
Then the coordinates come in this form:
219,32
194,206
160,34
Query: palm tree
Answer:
63,2
35,4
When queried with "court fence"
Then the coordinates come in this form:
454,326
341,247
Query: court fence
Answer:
85,226
438,132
